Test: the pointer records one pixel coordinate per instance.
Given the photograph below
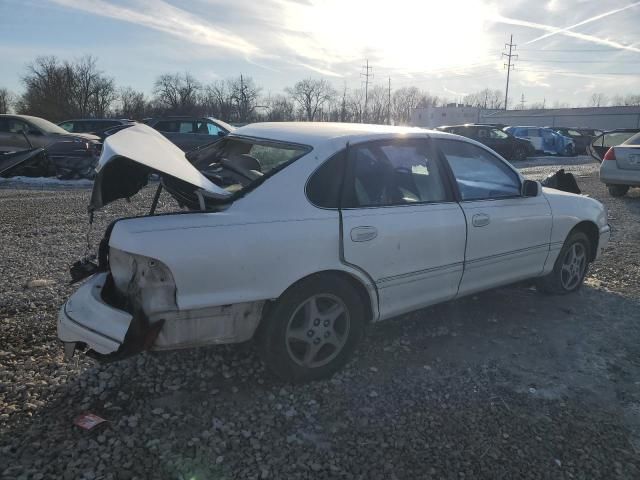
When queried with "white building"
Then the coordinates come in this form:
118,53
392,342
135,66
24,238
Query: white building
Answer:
452,114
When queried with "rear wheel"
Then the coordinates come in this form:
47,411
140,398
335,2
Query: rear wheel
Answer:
617,190
570,267
313,329
569,151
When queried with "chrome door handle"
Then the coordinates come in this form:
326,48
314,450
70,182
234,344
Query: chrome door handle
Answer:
480,220
363,234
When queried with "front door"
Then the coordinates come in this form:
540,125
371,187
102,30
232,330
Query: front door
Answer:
12,135
508,235
401,225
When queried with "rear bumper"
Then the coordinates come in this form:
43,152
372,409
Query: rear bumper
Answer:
612,175
86,318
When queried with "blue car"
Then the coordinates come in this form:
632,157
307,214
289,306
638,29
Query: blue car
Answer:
545,140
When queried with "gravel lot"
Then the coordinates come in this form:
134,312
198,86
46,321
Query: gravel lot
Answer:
507,384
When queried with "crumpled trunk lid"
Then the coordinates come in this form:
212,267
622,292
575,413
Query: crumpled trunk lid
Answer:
130,155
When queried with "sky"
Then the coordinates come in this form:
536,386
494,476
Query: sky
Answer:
567,50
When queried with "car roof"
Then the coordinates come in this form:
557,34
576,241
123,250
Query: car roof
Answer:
97,120
23,117
315,133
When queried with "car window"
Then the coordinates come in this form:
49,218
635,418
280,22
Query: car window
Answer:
547,134
495,133
187,127
68,126
616,138
574,133
533,132
167,126
213,129
634,140
483,133
479,174
4,125
394,173
323,188
16,126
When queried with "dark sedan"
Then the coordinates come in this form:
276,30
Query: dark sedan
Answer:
189,133
580,140
94,126
72,155
493,137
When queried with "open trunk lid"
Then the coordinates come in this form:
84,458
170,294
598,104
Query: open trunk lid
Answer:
130,155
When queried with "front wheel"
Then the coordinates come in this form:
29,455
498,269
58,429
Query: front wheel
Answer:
618,190
313,329
570,268
569,151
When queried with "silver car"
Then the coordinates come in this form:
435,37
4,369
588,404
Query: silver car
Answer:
620,168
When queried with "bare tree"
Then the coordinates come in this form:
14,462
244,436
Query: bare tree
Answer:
377,103
244,94
403,102
310,95
597,99
281,109
132,104
177,93
487,99
58,90
6,100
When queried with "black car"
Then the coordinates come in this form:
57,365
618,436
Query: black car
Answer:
495,138
580,140
94,126
189,133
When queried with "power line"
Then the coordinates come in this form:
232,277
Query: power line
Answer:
509,66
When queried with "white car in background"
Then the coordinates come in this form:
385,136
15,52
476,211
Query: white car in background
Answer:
300,234
620,167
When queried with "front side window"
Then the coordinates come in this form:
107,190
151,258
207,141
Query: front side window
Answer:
393,173
213,129
68,126
495,133
479,174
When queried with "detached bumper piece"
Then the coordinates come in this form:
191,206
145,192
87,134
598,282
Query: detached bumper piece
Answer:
110,333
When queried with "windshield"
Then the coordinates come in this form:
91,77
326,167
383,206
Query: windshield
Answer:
234,163
46,126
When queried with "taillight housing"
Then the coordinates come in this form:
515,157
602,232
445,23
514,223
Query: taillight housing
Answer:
610,155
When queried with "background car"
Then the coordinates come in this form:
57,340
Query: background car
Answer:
303,233
189,133
95,126
581,141
74,155
493,137
620,168
603,142
544,140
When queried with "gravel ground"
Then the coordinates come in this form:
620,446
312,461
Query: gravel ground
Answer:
503,385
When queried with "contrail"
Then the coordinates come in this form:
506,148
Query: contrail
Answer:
581,36
588,20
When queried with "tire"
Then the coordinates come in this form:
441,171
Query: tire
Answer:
312,329
519,153
569,151
568,272
618,190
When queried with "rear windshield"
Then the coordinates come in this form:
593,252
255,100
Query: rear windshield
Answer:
236,163
635,140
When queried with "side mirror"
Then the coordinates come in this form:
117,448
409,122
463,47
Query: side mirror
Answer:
530,188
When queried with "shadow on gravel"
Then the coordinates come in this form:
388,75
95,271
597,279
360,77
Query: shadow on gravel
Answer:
501,384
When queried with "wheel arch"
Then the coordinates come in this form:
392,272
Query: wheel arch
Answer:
368,296
590,229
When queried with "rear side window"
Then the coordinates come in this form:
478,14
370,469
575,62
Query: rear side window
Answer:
323,188
167,126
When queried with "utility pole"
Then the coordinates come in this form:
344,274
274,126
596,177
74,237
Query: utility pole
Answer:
522,102
366,76
509,66
389,103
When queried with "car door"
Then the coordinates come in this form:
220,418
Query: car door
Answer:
12,135
508,235
501,142
401,225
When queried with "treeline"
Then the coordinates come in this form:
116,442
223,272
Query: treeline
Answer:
61,89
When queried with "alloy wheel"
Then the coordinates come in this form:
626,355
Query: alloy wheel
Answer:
573,266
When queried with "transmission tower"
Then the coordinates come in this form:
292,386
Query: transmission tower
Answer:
366,74
509,65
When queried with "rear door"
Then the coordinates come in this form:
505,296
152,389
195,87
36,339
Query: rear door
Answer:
401,225
508,235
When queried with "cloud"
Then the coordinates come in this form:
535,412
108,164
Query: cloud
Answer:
166,18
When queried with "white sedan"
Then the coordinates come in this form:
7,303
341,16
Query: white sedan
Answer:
300,234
